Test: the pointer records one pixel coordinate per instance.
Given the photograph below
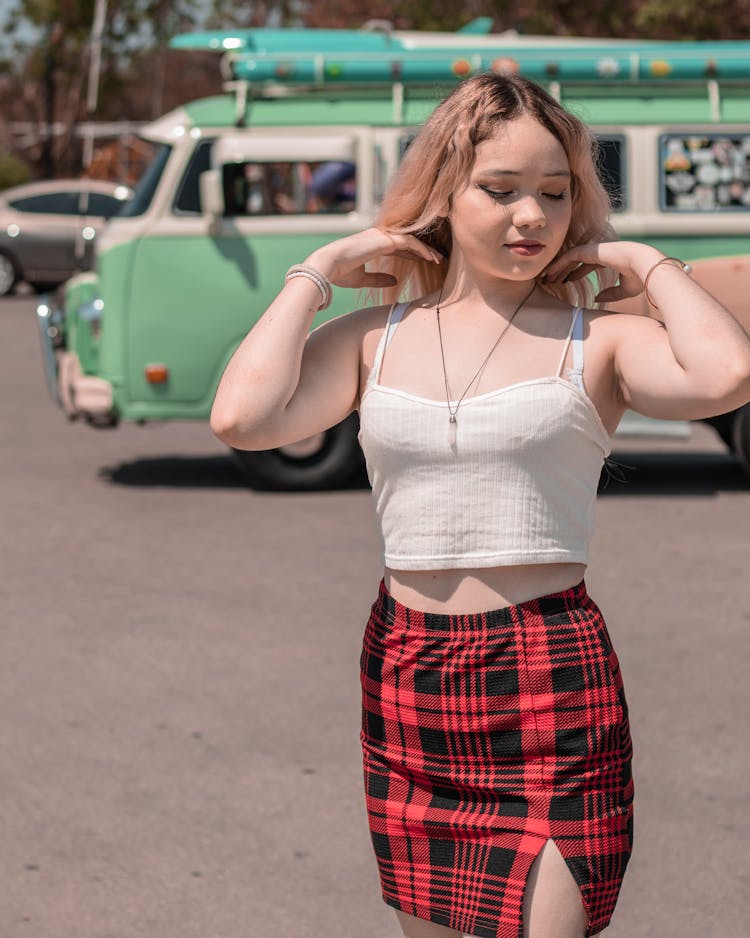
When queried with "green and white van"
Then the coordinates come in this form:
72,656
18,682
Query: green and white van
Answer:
299,151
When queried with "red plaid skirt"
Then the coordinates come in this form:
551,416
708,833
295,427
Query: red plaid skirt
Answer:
484,736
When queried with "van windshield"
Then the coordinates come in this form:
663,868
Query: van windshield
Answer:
148,183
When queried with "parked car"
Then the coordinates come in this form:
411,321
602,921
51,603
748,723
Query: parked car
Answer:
48,229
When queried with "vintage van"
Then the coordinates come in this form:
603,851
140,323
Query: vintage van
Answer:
299,151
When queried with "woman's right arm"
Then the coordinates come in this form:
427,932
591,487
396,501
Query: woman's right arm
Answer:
284,383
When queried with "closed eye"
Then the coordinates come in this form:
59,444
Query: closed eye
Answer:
493,193
499,195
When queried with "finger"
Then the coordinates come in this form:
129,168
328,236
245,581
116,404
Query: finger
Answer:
583,271
364,279
569,272
570,259
611,294
380,280
430,255
410,247
560,271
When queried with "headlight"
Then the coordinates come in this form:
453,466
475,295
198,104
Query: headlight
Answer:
92,313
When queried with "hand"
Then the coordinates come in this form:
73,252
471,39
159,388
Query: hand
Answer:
631,260
343,261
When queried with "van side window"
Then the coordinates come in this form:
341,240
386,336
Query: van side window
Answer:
188,198
704,173
404,142
611,169
610,165
285,188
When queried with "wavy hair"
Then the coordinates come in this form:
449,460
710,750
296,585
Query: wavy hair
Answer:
440,158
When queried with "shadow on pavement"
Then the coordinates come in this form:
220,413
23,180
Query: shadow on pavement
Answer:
200,472
672,473
175,472
634,473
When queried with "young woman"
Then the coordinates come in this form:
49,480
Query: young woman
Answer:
495,733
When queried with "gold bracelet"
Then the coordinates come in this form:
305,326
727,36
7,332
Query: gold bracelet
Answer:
685,268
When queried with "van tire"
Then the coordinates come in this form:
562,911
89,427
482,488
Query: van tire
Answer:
724,427
9,275
741,436
334,464
44,286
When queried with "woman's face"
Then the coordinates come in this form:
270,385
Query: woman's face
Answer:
511,219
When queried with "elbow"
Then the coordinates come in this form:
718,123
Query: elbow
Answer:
740,377
732,390
226,426
236,430
222,426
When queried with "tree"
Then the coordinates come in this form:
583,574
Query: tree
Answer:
46,66
636,19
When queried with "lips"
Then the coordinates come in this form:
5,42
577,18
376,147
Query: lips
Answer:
526,248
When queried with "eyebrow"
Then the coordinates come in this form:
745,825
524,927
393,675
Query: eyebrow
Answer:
512,172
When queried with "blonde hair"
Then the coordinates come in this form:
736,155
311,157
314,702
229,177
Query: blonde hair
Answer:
439,161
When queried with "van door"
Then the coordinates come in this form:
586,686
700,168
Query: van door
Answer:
199,283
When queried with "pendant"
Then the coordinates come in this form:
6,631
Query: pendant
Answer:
452,430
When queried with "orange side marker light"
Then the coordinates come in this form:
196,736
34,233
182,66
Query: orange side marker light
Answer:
156,374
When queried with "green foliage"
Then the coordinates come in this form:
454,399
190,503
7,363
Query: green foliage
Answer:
12,171
694,19
636,19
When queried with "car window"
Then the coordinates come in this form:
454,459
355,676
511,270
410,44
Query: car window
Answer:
50,203
188,199
148,183
101,204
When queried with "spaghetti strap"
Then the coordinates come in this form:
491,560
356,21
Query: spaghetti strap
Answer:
578,343
575,319
395,315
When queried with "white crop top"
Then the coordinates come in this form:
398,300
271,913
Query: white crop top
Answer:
517,485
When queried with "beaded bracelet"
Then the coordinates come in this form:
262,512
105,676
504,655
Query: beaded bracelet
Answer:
685,268
321,282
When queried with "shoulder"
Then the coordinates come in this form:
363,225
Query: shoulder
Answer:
362,328
616,323
353,336
615,326
355,325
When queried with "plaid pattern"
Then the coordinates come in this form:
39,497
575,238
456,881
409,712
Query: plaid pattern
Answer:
483,736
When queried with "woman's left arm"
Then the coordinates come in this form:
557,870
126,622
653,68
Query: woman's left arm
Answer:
695,365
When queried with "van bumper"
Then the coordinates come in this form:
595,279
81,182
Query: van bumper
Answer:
78,394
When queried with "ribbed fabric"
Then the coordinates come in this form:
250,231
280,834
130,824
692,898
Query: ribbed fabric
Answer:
517,486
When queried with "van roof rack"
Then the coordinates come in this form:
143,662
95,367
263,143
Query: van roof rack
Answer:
330,57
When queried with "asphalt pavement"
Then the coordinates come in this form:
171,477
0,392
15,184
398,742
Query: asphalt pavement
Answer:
179,687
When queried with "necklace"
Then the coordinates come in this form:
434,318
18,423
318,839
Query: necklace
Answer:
453,412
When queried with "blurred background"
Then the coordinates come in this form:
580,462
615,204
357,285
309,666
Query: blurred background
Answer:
65,63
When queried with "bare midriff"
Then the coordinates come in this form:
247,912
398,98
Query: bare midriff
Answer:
479,589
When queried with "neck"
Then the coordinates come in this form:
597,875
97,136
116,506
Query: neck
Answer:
498,294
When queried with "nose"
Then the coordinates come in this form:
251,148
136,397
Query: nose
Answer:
528,213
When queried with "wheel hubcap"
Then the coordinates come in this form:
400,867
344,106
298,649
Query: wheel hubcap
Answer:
304,448
7,275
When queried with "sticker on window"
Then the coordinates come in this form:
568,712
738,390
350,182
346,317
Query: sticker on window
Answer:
708,173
